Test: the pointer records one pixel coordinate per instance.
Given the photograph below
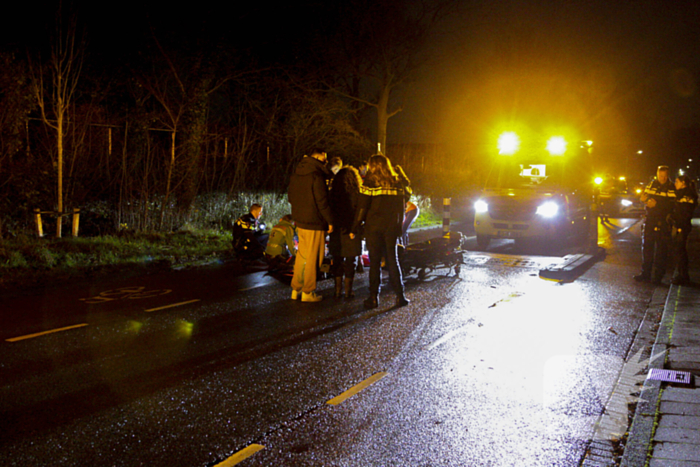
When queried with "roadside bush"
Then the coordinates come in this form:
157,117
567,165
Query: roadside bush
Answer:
39,256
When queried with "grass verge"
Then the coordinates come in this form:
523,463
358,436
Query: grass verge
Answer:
27,262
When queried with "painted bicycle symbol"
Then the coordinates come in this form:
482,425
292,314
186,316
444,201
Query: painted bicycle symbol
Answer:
125,293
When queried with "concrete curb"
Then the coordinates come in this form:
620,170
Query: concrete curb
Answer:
641,433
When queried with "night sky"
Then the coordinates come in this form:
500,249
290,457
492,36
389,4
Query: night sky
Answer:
623,73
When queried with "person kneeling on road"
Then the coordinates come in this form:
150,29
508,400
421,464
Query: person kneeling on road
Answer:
281,250
249,239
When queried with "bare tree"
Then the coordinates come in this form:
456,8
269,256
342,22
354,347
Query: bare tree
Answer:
295,114
182,83
379,49
15,105
54,86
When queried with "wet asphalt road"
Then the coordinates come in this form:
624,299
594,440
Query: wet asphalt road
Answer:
494,367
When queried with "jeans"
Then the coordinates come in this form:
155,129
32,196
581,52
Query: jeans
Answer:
408,219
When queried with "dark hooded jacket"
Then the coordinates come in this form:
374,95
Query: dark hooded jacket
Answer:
308,195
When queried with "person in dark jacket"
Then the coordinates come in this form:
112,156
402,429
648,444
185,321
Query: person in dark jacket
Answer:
686,202
344,199
249,239
659,197
382,206
308,195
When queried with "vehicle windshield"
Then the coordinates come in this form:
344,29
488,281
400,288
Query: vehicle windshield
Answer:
614,186
530,174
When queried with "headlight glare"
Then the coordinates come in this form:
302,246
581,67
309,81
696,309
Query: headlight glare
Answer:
548,209
481,206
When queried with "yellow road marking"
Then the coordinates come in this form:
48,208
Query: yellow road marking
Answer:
173,305
241,455
357,388
30,336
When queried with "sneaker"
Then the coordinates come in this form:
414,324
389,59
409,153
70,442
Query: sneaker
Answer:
311,297
296,294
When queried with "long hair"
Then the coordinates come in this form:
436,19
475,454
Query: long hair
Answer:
344,196
380,172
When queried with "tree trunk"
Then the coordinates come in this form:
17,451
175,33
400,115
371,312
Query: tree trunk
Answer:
382,118
196,124
169,180
59,167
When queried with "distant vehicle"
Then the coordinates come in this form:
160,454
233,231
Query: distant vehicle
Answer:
618,200
534,194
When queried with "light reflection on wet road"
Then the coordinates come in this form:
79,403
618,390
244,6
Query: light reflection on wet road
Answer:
494,368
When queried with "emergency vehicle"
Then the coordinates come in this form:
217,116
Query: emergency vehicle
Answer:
535,193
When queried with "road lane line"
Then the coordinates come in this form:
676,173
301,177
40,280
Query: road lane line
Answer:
357,388
173,305
30,336
241,455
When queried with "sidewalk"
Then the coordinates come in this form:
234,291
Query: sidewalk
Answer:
665,431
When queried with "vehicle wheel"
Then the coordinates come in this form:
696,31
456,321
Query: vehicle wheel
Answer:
421,274
483,241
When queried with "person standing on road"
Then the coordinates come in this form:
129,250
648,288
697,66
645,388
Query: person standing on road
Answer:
381,209
659,197
344,199
308,195
686,202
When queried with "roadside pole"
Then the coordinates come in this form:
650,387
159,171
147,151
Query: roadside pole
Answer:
446,215
593,224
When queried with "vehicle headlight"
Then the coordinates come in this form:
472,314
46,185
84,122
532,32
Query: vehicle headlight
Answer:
481,206
548,209
626,202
